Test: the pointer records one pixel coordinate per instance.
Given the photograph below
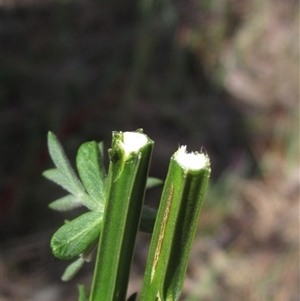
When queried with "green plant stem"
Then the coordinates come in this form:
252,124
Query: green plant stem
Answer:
175,226
127,177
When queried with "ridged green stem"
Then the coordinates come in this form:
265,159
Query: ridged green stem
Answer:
175,226
127,176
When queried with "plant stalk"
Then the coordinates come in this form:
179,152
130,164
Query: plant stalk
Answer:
128,171
175,226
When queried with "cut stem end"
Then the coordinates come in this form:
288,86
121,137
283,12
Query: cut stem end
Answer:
191,161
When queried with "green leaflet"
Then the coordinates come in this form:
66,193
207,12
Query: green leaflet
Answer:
55,175
65,203
62,163
72,269
92,172
82,293
153,182
76,236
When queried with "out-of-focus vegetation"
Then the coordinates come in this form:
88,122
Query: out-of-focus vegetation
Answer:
219,74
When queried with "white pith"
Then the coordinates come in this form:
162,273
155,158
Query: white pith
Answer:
133,142
192,161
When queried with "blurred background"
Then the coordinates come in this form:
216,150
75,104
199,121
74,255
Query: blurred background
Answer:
223,75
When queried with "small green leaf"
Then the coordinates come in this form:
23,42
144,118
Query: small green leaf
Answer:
74,237
56,176
153,182
65,203
91,171
82,197
72,269
82,293
61,161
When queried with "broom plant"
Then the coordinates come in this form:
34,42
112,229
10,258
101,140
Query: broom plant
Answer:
116,213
